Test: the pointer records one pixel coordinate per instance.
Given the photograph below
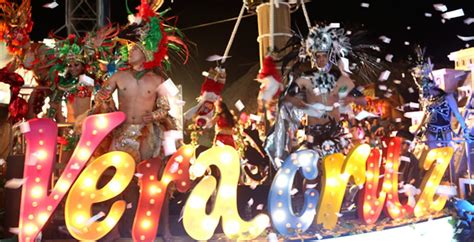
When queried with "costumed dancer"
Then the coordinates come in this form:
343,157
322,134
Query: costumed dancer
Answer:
143,98
15,26
202,114
224,125
322,94
270,89
439,107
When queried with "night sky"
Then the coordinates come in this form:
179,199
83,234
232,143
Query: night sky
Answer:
383,17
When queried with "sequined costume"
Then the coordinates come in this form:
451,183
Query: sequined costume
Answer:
141,141
439,119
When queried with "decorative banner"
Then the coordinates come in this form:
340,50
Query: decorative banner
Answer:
284,219
36,206
84,193
436,162
336,174
371,197
197,223
153,190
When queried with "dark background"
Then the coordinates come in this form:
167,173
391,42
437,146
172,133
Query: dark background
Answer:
383,17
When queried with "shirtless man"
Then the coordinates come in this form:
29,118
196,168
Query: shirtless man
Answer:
146,110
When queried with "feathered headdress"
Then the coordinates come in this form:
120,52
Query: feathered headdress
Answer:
15,25
327,39
150,32
422,72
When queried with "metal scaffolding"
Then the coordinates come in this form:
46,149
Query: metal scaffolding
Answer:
82,16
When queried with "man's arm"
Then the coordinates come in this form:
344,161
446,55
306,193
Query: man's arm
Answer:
109,86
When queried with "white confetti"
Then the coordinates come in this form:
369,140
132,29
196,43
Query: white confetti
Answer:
239,105
410,90
2,162
94,218
255,118
383,87
466,38
174,167
272,237
469,21
139,175
384,76
406,43
389,57
414,105
14,183
378,60
348,32
15,230
339,215
365,5
449,191
259,207
216,58
220,144
428,15
408,27
403,75
384,144
75,166
398,82
311,186
334,25
381,175
351,207
440,7
398,120
25,127
250,202
294,191
385,39
453,14
443,20
318,236
405,158
129,205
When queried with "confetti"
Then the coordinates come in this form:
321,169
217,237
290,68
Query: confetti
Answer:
405,158
318,236
311,186
174,167
259,207
410,90
428,15
75,166
351,207
466,38
14,183
239,105
383,87
365,5
398,82
272,237
255,118
440,7
398,120
449,191
414,105
406,43
250,202
51,5
453,14
15,230
294,191
339,215
385,39
139,175
2,162
216,58
334,25
384,76
469,21
129,205
408,27
94,218
389,57
219,143
364,114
